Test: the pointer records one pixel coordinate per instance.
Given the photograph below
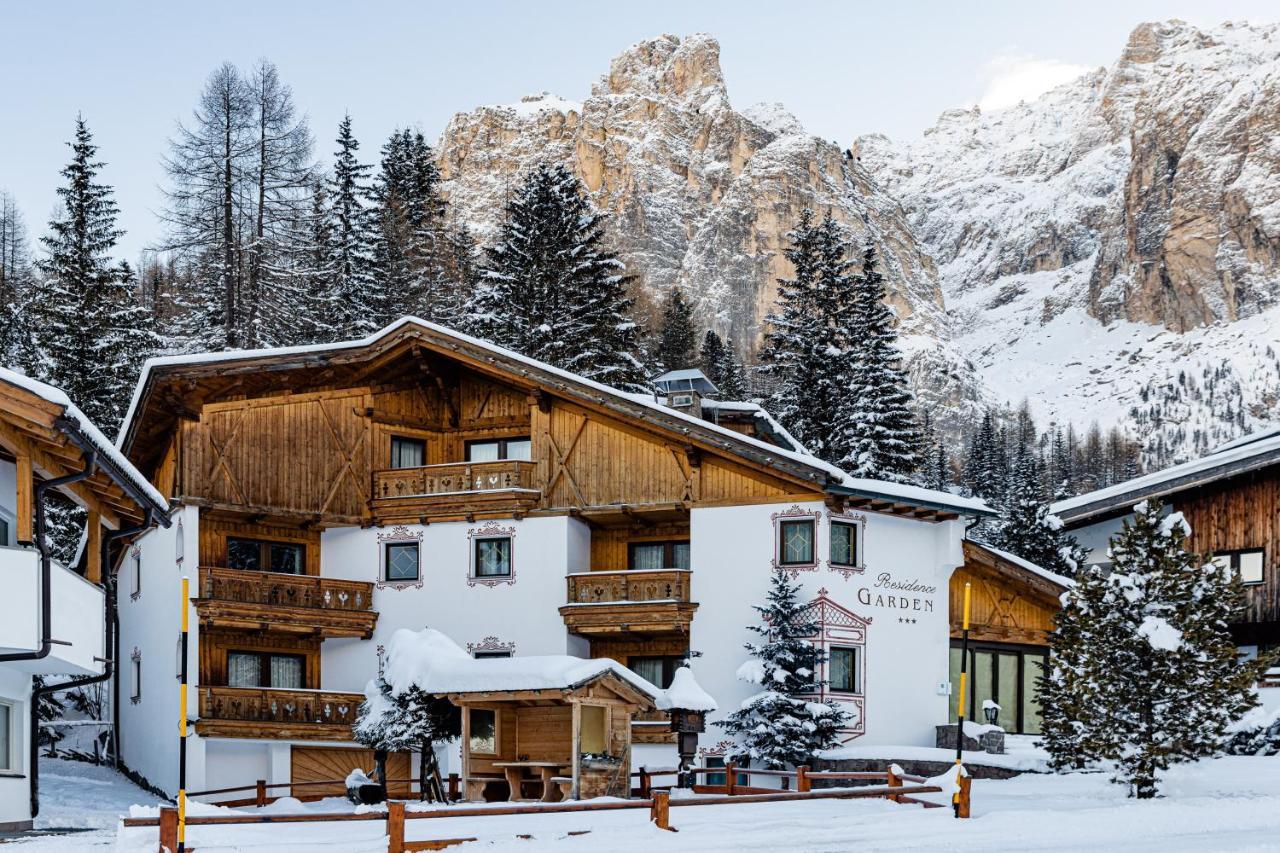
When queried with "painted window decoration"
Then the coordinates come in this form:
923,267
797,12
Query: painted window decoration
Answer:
494,450
1248,563
179,544
135,671
484,731
407,452
841,635
263,669
794,547
7,717
491,647
492,555
845,537
399,555
658,555
262,555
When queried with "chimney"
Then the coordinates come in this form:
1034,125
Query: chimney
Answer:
685,389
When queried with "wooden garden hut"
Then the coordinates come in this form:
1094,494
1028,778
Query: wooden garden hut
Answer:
550,726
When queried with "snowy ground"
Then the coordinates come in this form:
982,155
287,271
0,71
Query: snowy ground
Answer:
1231,804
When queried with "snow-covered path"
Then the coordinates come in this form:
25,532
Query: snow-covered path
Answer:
1231,804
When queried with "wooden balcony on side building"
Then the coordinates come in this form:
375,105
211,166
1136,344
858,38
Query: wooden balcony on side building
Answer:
268,713
236,599
454,489
632,602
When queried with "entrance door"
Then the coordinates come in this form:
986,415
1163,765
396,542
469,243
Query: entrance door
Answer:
1005,675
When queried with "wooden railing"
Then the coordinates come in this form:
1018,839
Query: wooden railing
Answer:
274,588
284,707
453,477
625,586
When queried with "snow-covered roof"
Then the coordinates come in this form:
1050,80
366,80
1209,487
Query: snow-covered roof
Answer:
1248,453
685,692
1035,569
876,489
433,662
116,465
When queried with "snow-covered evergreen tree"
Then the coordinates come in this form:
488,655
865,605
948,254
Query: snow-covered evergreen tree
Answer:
783,725
1153,661
551,290
358,301
879,423
1026,529
807,357
17,291
982,470
92,331
936,468
718,362
408,721
677,340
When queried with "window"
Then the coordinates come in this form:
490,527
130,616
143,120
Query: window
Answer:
6,530
401,561
657,669
260,555
593,729
492,450
7,716
179,544
842,670
262,669
796,545
491,653
721,778
484,731
658,555
844,544
1005,674
407,452
493,557
1246,563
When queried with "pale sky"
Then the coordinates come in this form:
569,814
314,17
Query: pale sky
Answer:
135,68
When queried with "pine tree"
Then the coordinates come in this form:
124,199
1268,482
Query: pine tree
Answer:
17,291
550,290
982,469
880,424
1027,530
313,272
717,361
358,301
807,356
1151,654
677,340
93,332
408,721
782,725
936,471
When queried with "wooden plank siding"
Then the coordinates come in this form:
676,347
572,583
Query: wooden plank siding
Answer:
215,528
610,545
214,646
1008,606
1241,512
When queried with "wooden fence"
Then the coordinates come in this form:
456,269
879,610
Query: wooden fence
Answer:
655,798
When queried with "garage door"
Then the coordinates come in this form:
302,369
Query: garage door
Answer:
325,763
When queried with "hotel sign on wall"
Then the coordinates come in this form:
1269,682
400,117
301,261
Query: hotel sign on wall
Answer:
901,594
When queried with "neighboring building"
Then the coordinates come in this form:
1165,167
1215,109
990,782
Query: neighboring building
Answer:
53,620
1230,499
332,494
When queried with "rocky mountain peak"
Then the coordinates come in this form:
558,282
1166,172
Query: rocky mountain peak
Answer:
668,68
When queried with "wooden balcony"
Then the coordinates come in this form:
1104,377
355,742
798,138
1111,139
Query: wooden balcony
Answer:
292,604
640,603
454,489
266,713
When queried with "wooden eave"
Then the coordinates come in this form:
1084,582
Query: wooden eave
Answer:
980,560
215,613
584,690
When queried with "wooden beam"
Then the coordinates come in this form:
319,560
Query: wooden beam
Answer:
26,499
93,548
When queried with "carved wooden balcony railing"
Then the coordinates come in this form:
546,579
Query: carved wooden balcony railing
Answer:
455,488
297,604
277,714
640,602
651,727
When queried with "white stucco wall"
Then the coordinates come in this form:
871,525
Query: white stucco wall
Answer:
150,623
15,791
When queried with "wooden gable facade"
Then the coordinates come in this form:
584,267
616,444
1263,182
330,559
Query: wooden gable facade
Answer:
1010,603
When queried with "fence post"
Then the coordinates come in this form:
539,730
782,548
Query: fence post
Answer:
168,830
730,777
645,783
395,826
454,794
893,780
802,778
962,801
261,792
660,811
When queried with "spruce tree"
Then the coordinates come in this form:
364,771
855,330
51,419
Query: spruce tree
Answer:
17,291
408,721
552,291
358,301
711,356
1027,530
782,725
879,422
807,356
93,332
936,470
677,340
1152,655
717,360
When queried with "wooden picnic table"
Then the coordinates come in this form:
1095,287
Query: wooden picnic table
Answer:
514,771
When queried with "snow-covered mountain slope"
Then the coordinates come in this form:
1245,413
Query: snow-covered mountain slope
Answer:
1111,250
700,194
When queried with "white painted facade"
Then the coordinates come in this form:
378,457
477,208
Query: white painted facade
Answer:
902,664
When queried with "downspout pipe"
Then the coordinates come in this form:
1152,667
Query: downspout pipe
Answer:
110,647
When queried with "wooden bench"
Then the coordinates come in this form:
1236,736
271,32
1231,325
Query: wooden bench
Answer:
478,782
565,784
